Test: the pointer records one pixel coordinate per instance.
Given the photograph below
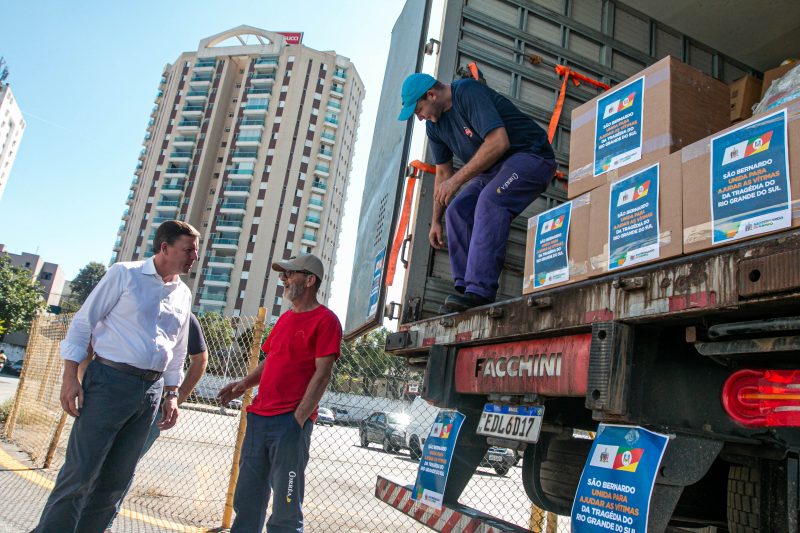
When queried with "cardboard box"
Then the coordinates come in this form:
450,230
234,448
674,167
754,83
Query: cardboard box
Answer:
645,246
773,74
577,245
679,105
696,164
745,93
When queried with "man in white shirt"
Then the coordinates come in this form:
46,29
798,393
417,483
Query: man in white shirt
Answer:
137,318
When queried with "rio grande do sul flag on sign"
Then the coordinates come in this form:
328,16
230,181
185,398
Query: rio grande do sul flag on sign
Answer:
747,148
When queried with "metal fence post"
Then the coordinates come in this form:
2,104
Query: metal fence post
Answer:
255,349
12,416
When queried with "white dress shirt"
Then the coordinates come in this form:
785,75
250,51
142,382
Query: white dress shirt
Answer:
133,317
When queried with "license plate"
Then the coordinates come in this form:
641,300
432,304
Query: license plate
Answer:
495,458
511,422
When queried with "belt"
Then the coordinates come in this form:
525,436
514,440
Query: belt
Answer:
149,375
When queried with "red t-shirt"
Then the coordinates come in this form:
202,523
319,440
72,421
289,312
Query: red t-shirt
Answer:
292,348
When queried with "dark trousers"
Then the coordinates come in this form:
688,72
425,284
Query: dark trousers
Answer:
479,219
274,459
103,450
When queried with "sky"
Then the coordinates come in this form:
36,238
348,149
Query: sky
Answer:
85,75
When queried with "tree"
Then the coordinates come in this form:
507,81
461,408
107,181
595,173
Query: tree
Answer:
218,333
20,297
86,280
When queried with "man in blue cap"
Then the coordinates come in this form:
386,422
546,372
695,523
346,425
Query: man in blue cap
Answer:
508,163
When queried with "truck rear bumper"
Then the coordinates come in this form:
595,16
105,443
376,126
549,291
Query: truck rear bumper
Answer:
450,518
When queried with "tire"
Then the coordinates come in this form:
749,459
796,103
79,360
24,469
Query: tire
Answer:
364,441
414,450
763,497
501,470
387,445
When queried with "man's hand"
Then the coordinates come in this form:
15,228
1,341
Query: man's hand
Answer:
169,413
71,394
231,391
444,192
300,422
435,235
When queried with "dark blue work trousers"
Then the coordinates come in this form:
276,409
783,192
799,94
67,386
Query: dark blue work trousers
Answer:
274,459
479,218
103,450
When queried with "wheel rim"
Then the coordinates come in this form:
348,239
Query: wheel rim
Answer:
364,442
387,446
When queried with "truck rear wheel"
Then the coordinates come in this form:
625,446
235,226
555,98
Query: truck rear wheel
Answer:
764,497
551,471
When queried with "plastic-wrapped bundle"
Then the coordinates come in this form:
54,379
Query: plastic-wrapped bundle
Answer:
782,90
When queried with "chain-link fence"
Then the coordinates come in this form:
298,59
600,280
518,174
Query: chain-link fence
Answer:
188,476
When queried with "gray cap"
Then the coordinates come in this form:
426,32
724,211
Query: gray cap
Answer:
308,262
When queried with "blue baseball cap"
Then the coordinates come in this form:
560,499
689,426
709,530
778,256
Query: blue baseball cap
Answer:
414,88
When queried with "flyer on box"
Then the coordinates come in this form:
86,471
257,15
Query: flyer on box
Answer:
436,456
618,127
617,481
750,192
633,219
375,291
550,255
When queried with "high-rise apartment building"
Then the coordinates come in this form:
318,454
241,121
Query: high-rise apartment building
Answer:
251,143
12,125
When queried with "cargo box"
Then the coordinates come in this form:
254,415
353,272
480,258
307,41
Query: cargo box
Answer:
752,194
666,106
637,219
745,93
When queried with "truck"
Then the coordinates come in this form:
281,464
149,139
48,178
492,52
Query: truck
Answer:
703,348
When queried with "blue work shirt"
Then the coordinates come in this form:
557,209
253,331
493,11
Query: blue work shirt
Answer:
476,111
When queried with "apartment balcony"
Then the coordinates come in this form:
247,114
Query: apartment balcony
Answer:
331,122
188,125
176,172
224,243
319,187
255,109
259,91
221,261
217,280
328,138
184,141
233,208
237,191
201,80
181,156
192,110
316,205
241,173
134,182
262,79
309,239
337,92
251,123
196,95
204,65
227,224
158,220
126,214
325,155
213,299
248,140
334,105
168,205
312,222
117,245
148,254
322,170
340,75
244,156
172,189
264,64
159,94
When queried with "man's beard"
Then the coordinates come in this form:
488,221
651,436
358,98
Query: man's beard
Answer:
294,291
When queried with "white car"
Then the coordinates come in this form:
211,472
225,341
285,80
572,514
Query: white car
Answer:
325,416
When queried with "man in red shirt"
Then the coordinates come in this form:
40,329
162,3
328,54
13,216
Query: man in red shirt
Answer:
301,350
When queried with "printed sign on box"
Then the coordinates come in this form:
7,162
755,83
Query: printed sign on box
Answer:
375,290
618,127
550,257
750,191
617,481
437,453
633,219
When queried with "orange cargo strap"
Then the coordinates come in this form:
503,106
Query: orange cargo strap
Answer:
473,70
577,78
405,214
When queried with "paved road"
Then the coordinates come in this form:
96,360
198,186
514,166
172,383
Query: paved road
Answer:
185,477
8,387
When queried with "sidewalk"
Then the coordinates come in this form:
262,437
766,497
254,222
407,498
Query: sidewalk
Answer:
25,490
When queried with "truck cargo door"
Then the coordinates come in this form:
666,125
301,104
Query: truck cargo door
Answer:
385,173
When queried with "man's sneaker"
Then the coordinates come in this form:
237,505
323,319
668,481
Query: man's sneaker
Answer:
461,302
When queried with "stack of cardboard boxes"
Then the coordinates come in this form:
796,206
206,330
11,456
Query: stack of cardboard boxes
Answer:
642,178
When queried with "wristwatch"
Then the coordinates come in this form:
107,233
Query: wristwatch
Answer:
171,394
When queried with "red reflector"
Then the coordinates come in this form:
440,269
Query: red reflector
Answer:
763,398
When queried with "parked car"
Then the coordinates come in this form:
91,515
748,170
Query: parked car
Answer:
385,428
13,368
343,416
325,416
236,403
499,459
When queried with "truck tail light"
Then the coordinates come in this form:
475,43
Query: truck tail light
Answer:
763,398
